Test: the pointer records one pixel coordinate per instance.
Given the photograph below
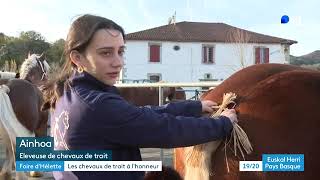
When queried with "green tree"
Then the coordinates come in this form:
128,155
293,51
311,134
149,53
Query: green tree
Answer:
2,38
55,52
18,48
31,35
3,46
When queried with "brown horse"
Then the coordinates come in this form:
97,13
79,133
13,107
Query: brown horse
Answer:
21,113
277,106
141,96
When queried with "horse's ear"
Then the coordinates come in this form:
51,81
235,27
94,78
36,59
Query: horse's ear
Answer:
42,57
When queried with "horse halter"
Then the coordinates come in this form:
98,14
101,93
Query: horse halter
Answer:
44,73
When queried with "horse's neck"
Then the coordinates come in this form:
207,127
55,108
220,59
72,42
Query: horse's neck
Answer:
33,79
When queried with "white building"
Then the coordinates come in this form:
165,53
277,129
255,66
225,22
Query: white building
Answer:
192,52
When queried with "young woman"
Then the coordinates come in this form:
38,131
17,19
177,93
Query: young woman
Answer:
90,114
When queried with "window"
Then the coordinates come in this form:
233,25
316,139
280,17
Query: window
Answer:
204,88
207,76
208,54
154,77
154,52
261,55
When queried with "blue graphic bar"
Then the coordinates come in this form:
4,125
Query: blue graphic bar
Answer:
41,149
283,162
39,166
70,155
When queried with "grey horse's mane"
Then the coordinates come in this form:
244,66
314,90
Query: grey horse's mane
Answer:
30,63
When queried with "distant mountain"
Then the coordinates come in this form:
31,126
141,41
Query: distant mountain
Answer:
308,59
313,55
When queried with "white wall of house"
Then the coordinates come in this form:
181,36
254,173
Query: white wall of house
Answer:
185,65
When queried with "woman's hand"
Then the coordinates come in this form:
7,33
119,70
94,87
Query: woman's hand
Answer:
231,114
207,106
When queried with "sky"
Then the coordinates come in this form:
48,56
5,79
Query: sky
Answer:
52,18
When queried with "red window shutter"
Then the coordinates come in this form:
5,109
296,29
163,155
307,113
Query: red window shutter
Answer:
257,55
205,54
266,55
154,53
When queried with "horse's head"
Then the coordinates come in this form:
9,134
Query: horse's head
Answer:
174,93
35,69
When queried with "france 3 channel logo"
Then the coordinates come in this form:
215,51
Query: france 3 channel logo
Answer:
275,162
296,20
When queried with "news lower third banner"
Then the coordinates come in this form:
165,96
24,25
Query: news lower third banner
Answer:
38,154
275,162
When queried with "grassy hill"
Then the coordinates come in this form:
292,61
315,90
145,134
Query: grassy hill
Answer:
308,59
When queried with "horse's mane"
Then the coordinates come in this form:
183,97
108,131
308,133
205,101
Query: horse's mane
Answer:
31,63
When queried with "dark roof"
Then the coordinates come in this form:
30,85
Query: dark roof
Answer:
200,32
